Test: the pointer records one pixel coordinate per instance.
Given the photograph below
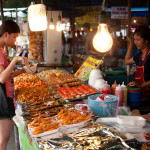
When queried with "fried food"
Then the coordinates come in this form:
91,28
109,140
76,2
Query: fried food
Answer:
43,124
72,116
32,94
61,80
46,73
26,77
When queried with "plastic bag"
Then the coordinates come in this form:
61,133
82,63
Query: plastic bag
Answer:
34,68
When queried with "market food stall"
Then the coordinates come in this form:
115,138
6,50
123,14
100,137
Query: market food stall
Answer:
48,119
58,110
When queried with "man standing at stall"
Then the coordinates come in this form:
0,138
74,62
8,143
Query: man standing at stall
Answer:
88,38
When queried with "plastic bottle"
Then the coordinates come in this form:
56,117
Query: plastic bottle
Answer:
124,93
106,89
119,93
113,87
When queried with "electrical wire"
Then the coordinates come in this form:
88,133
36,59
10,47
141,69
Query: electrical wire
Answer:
146,10
51,14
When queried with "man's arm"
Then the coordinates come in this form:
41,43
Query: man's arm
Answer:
136,112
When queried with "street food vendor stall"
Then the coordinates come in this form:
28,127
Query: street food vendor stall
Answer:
48,119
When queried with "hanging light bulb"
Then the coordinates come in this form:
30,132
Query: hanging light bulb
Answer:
51,24
102,41
59,27
37,17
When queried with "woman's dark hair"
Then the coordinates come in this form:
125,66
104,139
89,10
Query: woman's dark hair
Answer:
144,32
9,26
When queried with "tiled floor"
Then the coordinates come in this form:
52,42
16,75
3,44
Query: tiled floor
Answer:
11,143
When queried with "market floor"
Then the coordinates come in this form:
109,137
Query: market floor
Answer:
11,143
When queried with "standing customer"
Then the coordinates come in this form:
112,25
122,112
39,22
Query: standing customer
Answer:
9,30
88,38
142,60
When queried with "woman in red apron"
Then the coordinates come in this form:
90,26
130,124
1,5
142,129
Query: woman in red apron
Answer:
139,78
142,60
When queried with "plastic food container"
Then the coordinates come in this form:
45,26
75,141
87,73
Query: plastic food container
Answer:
76,125
143,136
136,121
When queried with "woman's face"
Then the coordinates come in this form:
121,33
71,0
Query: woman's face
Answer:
10,39
140,42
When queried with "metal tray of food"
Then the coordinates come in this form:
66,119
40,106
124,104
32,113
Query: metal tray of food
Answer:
76,93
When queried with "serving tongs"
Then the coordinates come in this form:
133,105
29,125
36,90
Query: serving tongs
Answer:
30,68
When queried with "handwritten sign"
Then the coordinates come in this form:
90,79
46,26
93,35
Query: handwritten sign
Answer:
119,12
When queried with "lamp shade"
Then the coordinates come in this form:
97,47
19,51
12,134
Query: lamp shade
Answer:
102,41
37,17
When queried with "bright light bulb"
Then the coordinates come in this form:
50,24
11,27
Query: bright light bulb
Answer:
51,25
59,27
102,41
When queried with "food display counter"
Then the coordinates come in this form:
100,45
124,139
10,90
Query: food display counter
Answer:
47,119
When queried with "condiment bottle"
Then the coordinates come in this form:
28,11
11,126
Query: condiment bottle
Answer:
113,87
124,93
106,89
119,93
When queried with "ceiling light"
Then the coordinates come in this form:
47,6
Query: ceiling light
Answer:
37,17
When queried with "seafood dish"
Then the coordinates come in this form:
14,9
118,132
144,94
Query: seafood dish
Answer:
26,77
28,80
29,117
42,125
72,116
32,94
75,92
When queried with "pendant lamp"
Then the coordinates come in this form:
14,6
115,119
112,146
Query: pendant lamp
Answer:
37,17
59,24
102,40
51,24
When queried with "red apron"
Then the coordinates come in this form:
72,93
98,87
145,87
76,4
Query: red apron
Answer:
140,77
